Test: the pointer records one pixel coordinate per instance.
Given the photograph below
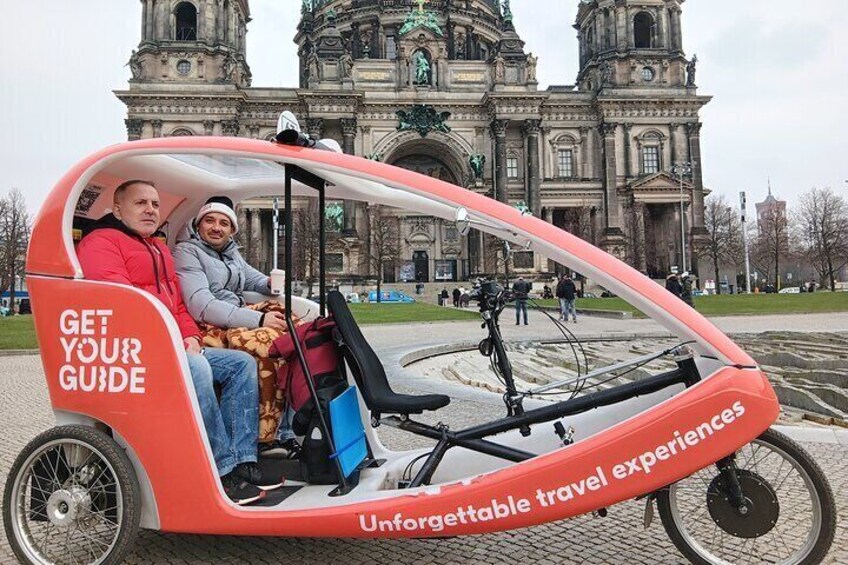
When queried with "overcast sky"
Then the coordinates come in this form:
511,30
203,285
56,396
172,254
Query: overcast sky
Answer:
777,69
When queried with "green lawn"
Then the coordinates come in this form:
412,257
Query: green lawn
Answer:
418,312
735,304
17,332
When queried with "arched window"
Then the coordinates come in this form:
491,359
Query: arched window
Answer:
186,17
651,148
590,43
512,166
643,30
565,153
181,132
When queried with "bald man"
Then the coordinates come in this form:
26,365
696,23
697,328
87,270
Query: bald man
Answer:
121,249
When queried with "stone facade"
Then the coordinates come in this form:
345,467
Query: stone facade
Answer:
446,87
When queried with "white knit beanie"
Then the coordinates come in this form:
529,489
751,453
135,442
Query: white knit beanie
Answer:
220,209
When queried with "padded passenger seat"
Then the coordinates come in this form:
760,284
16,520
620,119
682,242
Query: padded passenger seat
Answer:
368,370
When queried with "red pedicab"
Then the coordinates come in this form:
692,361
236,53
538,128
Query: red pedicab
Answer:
130,449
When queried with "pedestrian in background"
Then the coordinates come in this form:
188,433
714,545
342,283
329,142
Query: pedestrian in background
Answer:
673,285
567,294
686,290
521,288
456,295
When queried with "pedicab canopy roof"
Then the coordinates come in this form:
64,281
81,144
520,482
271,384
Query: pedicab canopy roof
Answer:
188,170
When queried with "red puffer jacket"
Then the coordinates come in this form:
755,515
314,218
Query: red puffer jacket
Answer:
111,253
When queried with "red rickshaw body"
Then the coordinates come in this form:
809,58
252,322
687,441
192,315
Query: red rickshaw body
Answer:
113,355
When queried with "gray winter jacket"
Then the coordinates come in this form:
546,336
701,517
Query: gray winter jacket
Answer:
213,283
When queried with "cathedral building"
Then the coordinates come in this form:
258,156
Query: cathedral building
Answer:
447,88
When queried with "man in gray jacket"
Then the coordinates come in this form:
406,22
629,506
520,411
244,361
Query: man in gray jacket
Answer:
213,277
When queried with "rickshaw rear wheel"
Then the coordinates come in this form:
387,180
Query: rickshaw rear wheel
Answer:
71,497
788,517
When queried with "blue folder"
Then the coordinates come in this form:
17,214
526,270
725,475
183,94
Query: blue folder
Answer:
348,433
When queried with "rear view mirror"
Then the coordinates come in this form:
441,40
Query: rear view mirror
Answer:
463,221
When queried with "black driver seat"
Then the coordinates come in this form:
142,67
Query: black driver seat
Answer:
368,370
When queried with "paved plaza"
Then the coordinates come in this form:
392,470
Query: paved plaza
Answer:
618,538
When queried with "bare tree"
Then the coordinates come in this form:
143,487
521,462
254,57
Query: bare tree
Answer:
772,242
722,244
384,240
14,238
822,222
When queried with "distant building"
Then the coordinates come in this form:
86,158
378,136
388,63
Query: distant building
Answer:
447,89
769,209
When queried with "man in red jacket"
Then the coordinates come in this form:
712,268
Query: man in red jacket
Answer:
121,249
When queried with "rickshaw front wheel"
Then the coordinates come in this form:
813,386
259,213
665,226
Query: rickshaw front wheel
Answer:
71,497
787,514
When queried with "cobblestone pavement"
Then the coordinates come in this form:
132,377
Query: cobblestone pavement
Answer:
619,538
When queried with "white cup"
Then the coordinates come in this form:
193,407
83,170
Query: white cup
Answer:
278,281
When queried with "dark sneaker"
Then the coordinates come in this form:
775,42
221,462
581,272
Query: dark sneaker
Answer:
277,449
274,450
240,491
292,448
251,473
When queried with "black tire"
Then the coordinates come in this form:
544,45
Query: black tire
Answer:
80,464
819,537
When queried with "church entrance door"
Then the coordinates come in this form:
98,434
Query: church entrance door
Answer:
422,266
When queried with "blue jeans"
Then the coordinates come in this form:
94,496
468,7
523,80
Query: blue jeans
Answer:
566,308
233,426
285,432
520,306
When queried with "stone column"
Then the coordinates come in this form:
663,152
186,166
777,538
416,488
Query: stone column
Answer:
677,39
221,26
631,37
451,40
628,150
201,22
135,128
694,130
144,14
672,128
162,21
256,250
534,177
613,238
585,153
499,133
621,28
315,127
349,147
244,229
157,128
663,28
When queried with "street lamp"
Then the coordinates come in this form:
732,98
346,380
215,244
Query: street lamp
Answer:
681,169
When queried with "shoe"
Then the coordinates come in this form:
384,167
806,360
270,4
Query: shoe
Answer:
251,473
240,491
293,449
277,449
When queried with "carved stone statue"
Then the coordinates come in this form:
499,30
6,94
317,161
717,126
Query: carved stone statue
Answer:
691,68
477,162
500,68
313,67
228,69
135,65
306,7
532,61
606,75
346,66
422,69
